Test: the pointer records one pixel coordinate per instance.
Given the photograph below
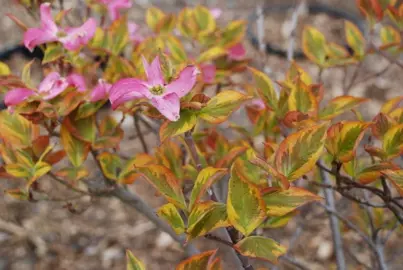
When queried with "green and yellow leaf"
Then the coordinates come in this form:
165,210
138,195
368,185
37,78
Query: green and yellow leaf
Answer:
298,153
339,105
132,262
260,247
165,182
245,205
204,180
171,214
282,202
221,106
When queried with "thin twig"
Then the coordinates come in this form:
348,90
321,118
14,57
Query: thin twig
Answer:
385,55
67,184
294,262
139,133
334,222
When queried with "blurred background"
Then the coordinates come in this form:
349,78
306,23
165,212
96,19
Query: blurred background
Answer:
45,235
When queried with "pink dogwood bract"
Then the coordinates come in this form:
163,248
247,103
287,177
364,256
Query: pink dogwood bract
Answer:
208,72
114,7
72,38
134,36
50,87
237,52
100,91
164,97
78,81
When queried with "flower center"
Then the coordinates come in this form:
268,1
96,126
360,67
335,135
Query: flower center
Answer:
157,90
61,34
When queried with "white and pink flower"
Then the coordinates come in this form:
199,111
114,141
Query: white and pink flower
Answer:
50,87
72,38
164,97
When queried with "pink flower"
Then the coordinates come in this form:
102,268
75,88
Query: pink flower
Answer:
50,87
258,103
208,72
100,91
17,96
114,6
77,81
71,38
164,97
134,36
216,12
237,52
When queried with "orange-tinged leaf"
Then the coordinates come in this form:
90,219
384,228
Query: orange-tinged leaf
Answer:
373,172
245,206
302,99
265,88
83,129
170,213
298,153
197,262
205,218
215,265
132,263
279,222
221,106
355,39
170,155
165,182
16,130
40,169
204,180
397,115
76,150
396,177
205,20
129,173
39,145
339,105
185,123
381,124
281,202
314,45
186,23
73,173
153,17
272,172
249,171
176,49
391,104
260,247
296,72
18,170
110,165
18,194
211,54
393,141
343,139
233,33
375,151
54,157
390,38
230,156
